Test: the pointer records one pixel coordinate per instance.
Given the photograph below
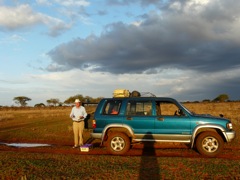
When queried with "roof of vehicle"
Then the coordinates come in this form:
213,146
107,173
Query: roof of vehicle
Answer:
147,98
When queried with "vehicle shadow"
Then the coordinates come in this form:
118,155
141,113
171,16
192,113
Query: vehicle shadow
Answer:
149,168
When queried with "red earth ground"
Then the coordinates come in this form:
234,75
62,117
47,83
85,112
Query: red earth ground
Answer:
138,149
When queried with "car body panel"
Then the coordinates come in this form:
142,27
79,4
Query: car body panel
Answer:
180,126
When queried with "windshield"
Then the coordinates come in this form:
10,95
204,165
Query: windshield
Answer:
186,109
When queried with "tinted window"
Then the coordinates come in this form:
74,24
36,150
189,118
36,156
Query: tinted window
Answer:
112,107
139,108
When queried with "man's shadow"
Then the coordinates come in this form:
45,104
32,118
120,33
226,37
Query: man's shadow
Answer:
149,168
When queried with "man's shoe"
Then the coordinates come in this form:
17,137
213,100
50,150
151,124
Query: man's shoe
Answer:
75,147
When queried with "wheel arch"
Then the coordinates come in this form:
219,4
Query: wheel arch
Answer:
116,128
207,127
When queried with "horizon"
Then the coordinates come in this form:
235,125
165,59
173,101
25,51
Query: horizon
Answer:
61,103
187,50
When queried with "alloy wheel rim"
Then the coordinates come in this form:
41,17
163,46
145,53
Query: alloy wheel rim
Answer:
210,144
117,144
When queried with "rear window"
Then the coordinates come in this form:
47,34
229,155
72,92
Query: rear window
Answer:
112,107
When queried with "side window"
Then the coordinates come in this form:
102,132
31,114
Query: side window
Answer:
166,108
139,108
112,107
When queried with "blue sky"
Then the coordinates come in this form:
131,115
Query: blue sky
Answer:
186,49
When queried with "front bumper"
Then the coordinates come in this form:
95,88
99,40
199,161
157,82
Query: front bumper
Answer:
230,136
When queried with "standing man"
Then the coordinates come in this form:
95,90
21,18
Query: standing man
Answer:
78,114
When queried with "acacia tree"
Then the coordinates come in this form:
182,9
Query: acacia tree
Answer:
221,98
21,100
86,99
71,99
39,105
54,102
206,100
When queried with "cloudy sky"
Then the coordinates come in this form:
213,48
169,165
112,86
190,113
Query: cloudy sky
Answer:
185,49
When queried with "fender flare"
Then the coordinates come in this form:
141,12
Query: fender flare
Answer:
206,126
129,129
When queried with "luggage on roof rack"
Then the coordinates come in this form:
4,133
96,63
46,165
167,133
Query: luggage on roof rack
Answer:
135,94
121,93
126,93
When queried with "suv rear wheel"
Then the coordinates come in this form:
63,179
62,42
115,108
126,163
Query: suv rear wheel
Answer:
118,143
209,144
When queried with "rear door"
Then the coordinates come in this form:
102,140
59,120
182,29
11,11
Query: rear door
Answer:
139,116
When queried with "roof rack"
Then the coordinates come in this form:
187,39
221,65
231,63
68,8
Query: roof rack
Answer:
127,93
147,94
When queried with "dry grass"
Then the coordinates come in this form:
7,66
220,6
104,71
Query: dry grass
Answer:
53,125
4,116
39,123
230,110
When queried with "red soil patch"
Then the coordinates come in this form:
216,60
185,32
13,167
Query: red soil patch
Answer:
158,150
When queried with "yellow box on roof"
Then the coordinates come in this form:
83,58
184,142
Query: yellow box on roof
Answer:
121,93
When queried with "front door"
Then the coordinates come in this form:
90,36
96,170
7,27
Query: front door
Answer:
171,123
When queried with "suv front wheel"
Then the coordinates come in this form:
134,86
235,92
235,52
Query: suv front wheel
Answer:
209,144
118,143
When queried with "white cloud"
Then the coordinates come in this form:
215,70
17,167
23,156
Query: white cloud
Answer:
191,6
137,23
182,85
15,17
196,6
22,16
73,2
66,3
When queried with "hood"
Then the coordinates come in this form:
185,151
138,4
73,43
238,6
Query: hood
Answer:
220,117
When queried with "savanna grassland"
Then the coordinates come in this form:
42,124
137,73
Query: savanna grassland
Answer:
59,161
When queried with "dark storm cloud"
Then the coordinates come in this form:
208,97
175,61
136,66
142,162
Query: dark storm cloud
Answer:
179,38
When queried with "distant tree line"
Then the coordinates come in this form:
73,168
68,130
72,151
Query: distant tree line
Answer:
219,98
22,100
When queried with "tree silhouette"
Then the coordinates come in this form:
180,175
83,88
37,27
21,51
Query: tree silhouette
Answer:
221,98
53,101
86,99
22,100
39,105
71,99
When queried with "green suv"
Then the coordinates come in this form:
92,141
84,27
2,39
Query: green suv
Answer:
119,122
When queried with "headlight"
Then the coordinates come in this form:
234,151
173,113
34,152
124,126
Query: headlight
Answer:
229,125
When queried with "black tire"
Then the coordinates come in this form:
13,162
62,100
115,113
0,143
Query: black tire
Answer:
118,143
209,144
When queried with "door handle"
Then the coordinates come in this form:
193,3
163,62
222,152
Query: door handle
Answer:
160,118
129,118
